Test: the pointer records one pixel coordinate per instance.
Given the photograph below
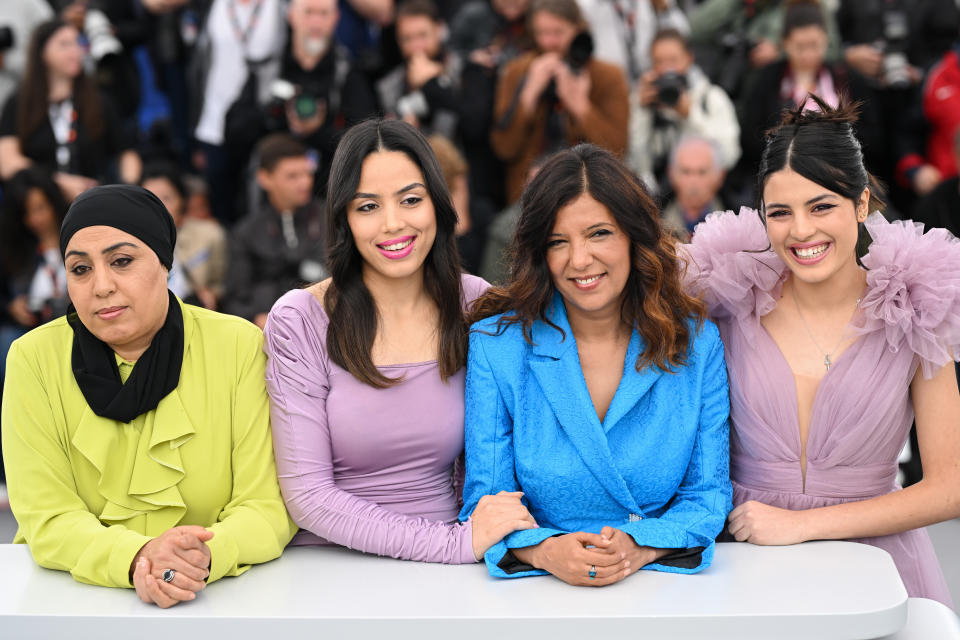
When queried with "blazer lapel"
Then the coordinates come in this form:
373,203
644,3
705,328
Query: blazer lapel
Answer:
555,364
633,384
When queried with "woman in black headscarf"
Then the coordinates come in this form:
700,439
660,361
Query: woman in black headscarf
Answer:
136,429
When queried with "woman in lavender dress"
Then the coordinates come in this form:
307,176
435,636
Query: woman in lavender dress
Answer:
829,361
365,370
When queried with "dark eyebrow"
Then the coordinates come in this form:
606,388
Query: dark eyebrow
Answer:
409,187
599,224
818,198
815,199
112,247
413,185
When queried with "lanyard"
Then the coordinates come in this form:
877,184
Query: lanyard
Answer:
66,140
243,34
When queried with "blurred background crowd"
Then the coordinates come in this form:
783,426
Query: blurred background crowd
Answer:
230,111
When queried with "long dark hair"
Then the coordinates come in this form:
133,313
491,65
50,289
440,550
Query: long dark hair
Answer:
654,301
821,146
34,99
17,242
353,314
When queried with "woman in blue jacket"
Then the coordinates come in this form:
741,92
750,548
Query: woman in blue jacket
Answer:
596,387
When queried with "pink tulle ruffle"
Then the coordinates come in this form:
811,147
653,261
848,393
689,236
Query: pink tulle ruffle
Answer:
730,265
913,290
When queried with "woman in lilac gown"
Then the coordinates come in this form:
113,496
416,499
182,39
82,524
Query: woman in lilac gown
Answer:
365,369
829,361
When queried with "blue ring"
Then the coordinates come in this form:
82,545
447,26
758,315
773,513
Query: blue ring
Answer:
593,572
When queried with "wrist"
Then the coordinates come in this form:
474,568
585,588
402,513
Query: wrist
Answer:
805,523
529,555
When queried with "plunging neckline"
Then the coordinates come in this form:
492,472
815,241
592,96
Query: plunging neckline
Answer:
840,362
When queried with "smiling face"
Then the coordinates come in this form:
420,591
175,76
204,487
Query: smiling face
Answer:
588,256
391,216
118,286
812,229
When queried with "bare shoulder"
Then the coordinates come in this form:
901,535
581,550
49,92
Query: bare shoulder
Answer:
319,290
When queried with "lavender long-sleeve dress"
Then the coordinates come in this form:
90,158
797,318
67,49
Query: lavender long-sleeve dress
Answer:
909,317
370,469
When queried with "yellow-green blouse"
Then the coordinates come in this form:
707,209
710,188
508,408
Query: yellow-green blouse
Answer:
88,492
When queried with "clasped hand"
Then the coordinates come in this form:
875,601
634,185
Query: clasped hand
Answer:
612,554
182,549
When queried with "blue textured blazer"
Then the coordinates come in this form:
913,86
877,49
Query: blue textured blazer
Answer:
657,467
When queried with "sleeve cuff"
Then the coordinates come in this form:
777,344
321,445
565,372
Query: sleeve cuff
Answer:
658,534
466,543
122,555
502,564
223,555
907,167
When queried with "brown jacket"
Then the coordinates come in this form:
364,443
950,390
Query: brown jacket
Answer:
519,140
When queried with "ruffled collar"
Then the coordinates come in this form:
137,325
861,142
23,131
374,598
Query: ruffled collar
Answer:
913,281
731,265
143,477
913,290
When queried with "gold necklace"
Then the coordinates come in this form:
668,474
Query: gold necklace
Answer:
827,362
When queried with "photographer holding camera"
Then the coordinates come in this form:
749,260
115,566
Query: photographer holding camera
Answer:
424,89
673,100
558,95
894,43
319,92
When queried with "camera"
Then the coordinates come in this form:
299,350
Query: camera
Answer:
578,55
896,67
6,38
581,48
670,86
305,105
99,32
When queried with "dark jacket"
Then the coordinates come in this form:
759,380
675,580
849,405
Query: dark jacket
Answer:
339,88
262,266
931,25
763,106
941,207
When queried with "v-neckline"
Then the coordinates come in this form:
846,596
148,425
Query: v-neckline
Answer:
841,361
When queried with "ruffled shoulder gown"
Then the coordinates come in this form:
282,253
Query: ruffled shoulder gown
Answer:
909,317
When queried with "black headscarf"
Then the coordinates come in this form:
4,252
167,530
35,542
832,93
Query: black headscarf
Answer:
138,212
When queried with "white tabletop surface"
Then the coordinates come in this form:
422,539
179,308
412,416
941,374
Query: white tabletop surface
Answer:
820,590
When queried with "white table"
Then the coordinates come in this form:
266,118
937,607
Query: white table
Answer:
820,590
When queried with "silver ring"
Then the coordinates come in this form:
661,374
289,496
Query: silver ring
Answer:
169,575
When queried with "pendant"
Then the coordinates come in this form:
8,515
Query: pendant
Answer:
827,362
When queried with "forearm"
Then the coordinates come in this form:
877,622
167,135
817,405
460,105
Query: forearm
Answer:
922,504
351,521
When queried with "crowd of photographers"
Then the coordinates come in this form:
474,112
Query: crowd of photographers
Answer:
230,111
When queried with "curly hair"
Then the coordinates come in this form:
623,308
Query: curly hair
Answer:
654,301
